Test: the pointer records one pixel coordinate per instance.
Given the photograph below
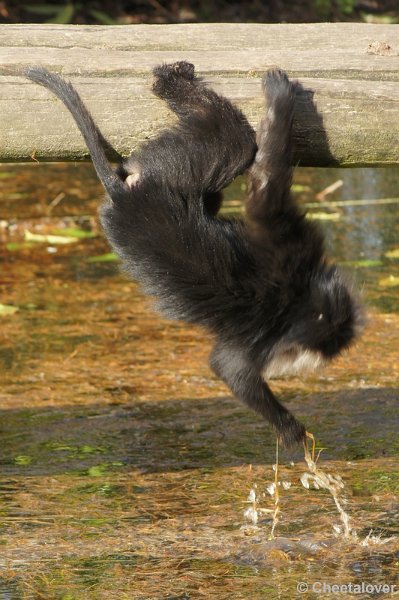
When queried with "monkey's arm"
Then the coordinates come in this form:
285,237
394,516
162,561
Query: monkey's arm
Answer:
248,386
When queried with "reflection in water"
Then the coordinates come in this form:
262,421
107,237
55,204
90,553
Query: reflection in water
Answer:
125,465
363,231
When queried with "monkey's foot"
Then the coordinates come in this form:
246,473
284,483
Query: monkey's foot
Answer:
171,80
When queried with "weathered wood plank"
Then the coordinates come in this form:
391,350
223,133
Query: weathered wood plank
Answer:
357,93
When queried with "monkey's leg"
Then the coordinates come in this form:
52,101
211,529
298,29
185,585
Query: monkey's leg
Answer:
248,386
271,173
216,134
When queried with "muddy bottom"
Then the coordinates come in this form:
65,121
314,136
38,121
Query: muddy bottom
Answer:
126,466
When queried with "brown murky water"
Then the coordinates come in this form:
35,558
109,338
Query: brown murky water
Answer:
126,467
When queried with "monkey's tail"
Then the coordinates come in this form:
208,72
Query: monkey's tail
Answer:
94,139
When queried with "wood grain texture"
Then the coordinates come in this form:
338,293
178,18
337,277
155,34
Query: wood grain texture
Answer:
355,87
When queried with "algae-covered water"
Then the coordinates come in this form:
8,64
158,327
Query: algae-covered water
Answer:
126,466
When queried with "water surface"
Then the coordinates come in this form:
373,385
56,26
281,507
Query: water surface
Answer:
126,465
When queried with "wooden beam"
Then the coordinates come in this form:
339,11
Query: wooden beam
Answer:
353,70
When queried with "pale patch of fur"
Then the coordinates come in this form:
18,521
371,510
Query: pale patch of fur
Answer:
132,179
258,171
293,360
134,170
271,115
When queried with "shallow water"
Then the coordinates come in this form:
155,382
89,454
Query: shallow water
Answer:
126,465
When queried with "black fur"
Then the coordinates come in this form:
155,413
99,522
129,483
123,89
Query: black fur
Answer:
261,286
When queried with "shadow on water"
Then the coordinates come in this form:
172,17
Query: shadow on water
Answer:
126,467
170,435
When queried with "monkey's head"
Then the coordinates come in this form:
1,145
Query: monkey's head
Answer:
328,315
334,316
322,322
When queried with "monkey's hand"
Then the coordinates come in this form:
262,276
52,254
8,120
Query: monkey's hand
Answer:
289,431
